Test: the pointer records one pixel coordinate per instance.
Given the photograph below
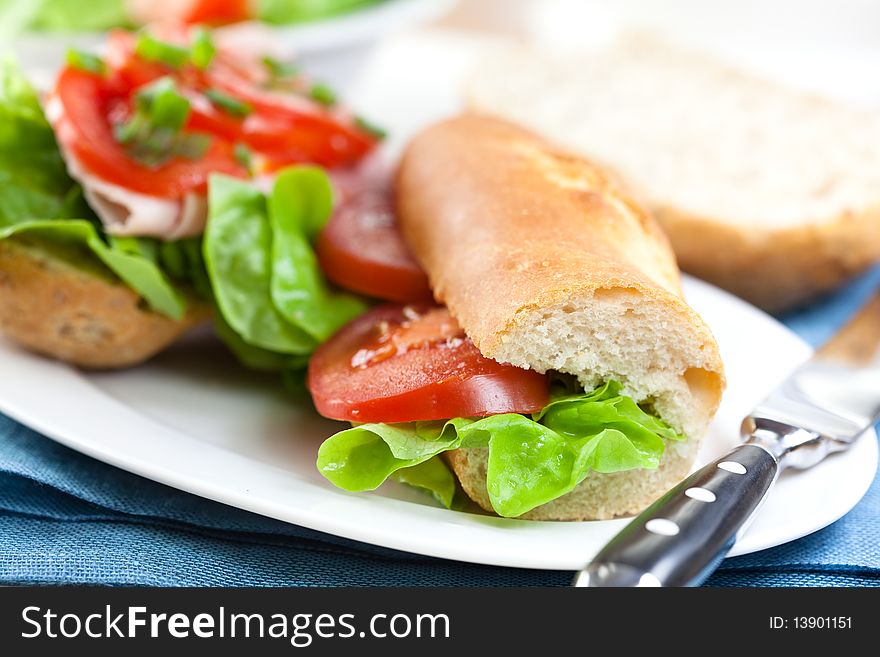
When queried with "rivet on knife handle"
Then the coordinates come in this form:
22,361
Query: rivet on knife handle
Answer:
680,538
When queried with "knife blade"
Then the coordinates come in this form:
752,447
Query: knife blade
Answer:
822,407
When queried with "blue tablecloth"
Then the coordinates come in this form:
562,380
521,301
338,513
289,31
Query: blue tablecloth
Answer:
66,518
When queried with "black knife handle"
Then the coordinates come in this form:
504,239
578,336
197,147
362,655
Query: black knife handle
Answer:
680,539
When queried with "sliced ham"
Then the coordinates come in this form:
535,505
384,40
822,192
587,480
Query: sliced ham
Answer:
124,212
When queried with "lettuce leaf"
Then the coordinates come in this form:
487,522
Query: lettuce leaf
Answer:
532,460
432,476
38,200
263,271
256,358
68,15
33,179
299,206
182,260
285,12
102,15
136,271
237,246
61,15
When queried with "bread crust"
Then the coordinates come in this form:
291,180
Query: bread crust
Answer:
502,222
506,226
775,269
58,309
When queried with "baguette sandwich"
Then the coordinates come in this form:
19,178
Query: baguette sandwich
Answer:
132,204
566,378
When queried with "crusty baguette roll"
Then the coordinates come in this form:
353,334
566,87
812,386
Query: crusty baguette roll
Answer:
547,264
69,311
768,192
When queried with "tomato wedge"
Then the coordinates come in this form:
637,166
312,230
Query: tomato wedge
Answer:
211,12
290,128
216,12
85,129
401,363
361,249
285,127
236,101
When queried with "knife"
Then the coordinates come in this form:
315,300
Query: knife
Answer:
821,408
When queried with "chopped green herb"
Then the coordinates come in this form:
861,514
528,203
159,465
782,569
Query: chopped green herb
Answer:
278,69
228,104
154,50
202,49
154,134
126,133
86,61
369,128
154,146
163,104
244,156
192,145
322,94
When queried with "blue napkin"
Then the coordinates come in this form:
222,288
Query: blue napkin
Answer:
68,519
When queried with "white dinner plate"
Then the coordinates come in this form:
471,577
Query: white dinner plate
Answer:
194,420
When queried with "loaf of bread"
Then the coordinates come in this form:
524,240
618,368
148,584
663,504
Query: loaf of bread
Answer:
548,264
79,314
768,192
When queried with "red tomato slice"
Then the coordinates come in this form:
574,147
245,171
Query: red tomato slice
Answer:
206,117
406,363
282,128
361,249
85,130
286,128
305,137
212,12
216,12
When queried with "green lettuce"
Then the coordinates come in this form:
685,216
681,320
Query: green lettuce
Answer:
39,201
182,260
432,476
532,460
256,358
137,272
299,206
102,15
285,12
33,179
62,15
263,270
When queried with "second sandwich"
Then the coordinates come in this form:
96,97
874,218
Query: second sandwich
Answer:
565,378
